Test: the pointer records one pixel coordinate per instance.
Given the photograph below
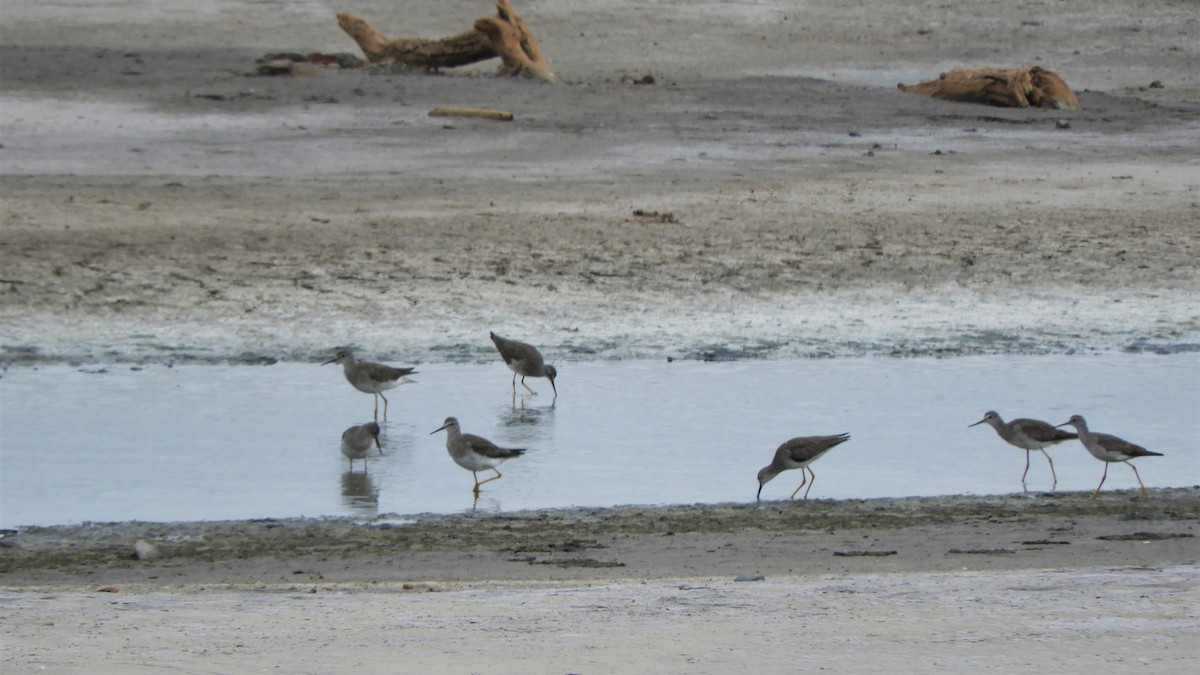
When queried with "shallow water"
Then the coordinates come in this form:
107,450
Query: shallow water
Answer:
227,442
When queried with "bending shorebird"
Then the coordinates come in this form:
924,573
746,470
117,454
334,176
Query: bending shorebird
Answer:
474,453
370,378
1110,449
524,360
1028,435
798,453
357,441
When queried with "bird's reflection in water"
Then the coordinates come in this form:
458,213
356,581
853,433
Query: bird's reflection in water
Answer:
526,422
483,503
359,493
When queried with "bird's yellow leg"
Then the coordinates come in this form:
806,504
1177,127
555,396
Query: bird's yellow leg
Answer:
1052,474
1145,492
1026,473
811,480
496,477
803,480
532,392
1102,479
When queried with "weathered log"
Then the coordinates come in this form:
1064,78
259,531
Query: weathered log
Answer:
450,52
482,113
505,35
514,40
1014,88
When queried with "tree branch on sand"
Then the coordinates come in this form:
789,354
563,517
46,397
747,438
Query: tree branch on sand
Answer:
1027,87
505,35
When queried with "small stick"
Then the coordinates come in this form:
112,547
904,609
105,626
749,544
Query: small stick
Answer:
485,113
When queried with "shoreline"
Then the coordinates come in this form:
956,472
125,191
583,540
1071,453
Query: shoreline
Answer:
860,324
916,534
948,582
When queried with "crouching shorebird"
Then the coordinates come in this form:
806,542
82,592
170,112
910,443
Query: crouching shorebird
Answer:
1028,435
370,378
1110,449
475,453
798,453
357,442
524,360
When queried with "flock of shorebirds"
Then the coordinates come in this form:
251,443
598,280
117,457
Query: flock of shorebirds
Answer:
471,452
1032,435
475,453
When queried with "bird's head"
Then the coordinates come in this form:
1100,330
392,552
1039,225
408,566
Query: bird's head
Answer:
764,476
341,355
450,423
991,417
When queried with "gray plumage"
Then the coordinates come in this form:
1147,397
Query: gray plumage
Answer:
524,360
1028,435
370,378
1108,449
357,442
798,453
475,453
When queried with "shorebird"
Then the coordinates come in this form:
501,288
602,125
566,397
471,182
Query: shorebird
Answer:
798,453
474,453
524,360
1028,435
370,378
357,441
1110,449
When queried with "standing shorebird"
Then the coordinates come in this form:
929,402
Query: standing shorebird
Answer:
1110,449
798,453
357,441
370,378
524,360
1028,435
475,453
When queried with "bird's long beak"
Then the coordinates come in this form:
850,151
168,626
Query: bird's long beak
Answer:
333,360
438,429
1061,425
977,423
758,497
378,445
554,388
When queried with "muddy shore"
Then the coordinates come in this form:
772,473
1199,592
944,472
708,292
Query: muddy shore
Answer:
162,204
953,582
1036,531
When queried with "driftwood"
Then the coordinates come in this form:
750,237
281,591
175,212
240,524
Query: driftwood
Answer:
482,113
1015,88
505,35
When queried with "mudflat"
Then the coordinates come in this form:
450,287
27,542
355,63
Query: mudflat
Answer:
772,188
953,580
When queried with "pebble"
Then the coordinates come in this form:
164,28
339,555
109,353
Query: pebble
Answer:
749,577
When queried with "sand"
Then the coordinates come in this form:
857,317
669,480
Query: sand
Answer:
160,205
950,583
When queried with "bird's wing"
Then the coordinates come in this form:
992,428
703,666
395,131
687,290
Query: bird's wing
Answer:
515,350
1114,444
487,448
807,448
382,373
1040,431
